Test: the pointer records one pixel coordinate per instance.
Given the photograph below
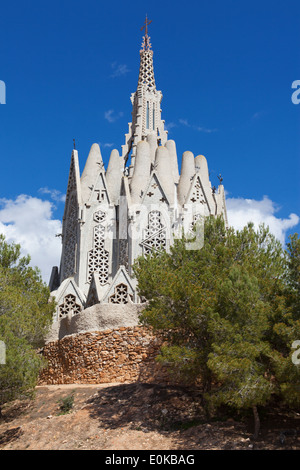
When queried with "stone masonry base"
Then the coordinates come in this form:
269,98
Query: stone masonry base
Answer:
125,354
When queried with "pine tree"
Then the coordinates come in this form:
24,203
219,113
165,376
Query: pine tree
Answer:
286,328
25,316
217,308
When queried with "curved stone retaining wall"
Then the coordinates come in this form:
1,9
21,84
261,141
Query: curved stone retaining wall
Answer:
125,354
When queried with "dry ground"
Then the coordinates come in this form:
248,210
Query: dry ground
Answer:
137,417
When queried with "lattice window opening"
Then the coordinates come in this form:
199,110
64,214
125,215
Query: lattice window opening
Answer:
69,254
70,238
72,180
69,306
156,244
155,234
121,295
98,262
98,257
123,253
146,74
99,237
155,225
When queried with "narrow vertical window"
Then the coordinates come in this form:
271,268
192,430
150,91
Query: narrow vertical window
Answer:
153,116
147,116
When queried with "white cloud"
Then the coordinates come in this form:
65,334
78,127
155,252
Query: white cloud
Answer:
55,194
119,69
204,129
184,122
111,116
170,125
258,114
28,221
240,211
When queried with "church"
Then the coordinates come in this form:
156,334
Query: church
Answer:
136,206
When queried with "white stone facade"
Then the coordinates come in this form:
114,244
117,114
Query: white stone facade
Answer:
137,205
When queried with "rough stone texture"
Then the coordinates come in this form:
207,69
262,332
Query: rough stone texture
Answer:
125,354
99,317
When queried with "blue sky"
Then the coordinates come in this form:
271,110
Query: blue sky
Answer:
225,69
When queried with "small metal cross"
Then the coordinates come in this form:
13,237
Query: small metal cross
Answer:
147,22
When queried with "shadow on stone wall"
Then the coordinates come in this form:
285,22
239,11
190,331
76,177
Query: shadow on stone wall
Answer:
125,354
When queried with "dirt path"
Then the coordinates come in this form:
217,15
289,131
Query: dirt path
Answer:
134,417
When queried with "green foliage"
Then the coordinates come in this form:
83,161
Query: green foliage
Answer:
286,328
293,273
25,316
229,313
19,373
66,404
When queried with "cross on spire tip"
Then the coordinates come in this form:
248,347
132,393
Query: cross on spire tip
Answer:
146,40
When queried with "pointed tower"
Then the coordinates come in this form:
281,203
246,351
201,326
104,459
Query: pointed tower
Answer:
146,111
70,226
131,208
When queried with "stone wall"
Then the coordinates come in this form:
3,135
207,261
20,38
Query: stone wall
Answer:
99,317
125,354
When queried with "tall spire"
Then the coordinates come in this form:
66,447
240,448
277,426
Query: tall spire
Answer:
146,39
146,112
146,74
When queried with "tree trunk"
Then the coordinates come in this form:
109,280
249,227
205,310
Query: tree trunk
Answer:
256,422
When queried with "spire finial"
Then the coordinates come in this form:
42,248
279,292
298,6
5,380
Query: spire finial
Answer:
146,43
